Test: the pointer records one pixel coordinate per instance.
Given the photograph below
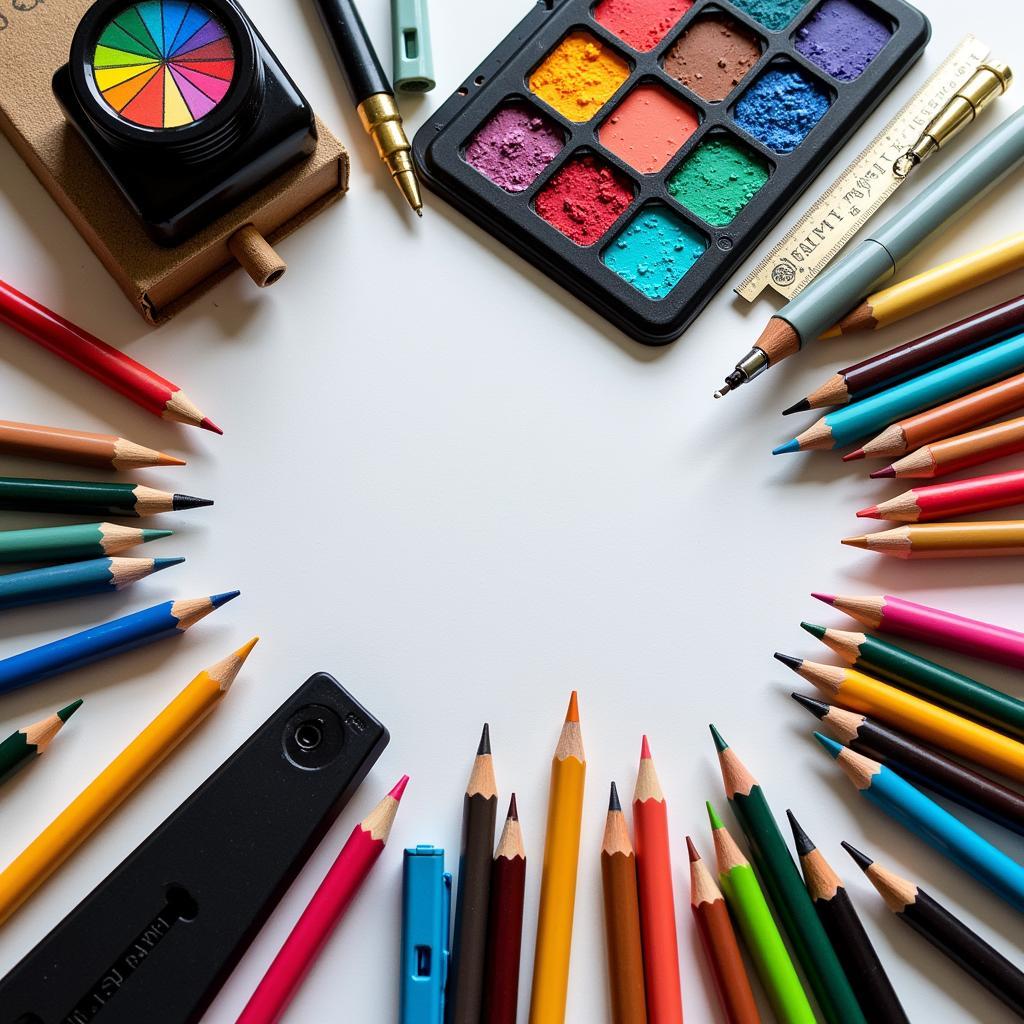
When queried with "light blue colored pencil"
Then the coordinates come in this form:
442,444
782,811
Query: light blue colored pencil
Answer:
170,618
78,579
863,419
935,825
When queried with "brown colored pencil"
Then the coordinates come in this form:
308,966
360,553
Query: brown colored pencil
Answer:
469,938
955,453
78,447
947,420
622,919
719,943
505,923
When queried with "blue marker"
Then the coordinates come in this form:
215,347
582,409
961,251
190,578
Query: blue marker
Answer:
426,910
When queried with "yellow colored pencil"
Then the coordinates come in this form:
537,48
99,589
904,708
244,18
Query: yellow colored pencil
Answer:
928,289
116,782
992,539
558,881
859,692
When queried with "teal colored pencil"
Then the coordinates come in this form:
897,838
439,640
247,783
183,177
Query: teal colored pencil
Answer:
77,579
936,826
862,419
72,543
26,744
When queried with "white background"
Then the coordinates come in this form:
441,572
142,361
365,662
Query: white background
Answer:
454,487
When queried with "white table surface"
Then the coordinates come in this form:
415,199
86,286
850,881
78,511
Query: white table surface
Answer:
451,485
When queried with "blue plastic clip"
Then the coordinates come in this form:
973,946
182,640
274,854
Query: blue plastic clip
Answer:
426,911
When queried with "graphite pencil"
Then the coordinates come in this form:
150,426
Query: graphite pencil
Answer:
989,539
78,447
72,543
85,498
27,743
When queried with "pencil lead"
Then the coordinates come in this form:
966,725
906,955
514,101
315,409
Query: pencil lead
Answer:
789,661
485,741
855,455
883,474
856,542
218,599
818,632
180,502
720,744
802,840
818,708
614,804
148,535
716,821
166,563
692,851
573,712
862,860
645,749
787,448
513,809
399,788
827,598
871,512
832,748
207,424
65,713
802,406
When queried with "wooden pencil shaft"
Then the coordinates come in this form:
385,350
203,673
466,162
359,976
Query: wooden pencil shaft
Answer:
78,447
964,451
726,963
504,940
964,497
622,933
992,539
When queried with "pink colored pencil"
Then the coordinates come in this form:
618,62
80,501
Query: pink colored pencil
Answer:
935,626
957,498
323,912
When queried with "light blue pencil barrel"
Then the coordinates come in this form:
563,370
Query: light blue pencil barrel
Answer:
935,825
78,579
170,618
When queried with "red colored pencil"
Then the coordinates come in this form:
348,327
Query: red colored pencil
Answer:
323,912
98,359
654,886
958,498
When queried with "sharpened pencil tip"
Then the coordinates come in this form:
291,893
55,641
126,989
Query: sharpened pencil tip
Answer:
572,714
692,851
218,599
207,424
513,809
855,455
827,598
856,542
818,632
171,460
166,563
181,502
645,749
245,650
787,448
148,535
871,512
803,842
883,474
484,747
65,713
832,748
862,860
789,661
614,803
720,744
399,788
802,406
818,708
716,821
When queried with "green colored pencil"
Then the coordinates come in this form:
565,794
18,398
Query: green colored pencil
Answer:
84,498
72,543
880,658
785,887
29,742
757,926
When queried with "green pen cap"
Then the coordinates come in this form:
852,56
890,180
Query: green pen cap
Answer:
410,40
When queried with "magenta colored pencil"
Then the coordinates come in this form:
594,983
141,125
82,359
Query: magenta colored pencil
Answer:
323,912
934,626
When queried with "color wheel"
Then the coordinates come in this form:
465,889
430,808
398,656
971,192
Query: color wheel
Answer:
163,63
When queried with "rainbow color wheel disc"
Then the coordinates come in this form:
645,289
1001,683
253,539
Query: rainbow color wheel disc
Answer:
163,63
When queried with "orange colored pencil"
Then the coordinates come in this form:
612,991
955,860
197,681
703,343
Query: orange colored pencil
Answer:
654,885
78,447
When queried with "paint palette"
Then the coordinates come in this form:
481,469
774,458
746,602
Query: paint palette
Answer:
163,63
636,151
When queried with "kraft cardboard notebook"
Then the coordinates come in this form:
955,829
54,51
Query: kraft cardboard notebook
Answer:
35,37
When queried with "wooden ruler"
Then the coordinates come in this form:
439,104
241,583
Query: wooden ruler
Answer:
866,182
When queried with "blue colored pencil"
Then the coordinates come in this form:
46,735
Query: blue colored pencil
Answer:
169,618
78,579
935,825
863,419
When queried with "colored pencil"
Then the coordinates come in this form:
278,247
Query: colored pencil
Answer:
558,879
718,941
850,423
946,420
505,923
789,897
947,933
26,744
974,448
465,987
77,579
654,887
108,365
920,718
85,498
116,782
991,539
839,918
878,657
933,625
935,825
169,618
881,371
622,919
761,936
324,911
955,498
78,447
920,764
72,543
938,284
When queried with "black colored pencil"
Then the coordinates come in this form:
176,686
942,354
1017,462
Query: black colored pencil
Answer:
835,909
945,932
469,939
922,765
